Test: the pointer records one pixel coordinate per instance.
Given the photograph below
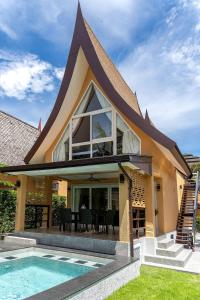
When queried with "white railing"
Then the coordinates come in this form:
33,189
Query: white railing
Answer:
195,203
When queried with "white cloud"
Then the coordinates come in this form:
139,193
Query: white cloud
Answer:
23,76
165,72
54,20
59,72
8,31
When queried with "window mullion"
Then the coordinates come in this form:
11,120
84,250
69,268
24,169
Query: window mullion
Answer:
114,133
70,140
90,135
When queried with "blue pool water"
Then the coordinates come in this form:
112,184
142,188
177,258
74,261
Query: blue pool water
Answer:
27,276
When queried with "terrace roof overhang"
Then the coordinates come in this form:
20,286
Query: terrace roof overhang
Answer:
101,166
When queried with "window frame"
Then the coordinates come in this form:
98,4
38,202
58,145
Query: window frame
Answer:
112,138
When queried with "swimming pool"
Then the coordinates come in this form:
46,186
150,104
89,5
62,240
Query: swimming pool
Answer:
22,277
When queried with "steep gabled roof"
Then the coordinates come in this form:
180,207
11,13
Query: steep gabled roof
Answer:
112,73
111,82
16,139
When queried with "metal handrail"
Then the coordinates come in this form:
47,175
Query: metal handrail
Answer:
195,205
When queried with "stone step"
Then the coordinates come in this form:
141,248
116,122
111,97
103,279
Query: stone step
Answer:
165,243
172,251
20,240
179,261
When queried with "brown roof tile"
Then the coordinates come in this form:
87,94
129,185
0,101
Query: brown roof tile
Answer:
16,139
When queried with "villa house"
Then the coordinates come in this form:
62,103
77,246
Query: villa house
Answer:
112,158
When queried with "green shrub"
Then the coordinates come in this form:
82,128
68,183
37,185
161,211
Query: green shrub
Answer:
57,203
6,184
2,165
195,168
198,224
7,210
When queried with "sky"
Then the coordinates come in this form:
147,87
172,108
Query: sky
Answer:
155,44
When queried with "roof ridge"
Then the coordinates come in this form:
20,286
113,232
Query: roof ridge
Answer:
16,118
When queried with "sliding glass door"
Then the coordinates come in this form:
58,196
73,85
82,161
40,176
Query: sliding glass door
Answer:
95,197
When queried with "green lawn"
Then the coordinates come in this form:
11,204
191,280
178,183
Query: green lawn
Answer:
160,284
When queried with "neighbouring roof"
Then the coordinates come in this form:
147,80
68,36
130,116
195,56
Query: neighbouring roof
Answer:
16,139
191,159
115,88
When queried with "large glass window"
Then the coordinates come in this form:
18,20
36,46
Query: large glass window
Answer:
100,198
79,152
61,152
102,125
127,141
115,198
96,197
92,101
102,149
96,130
81,130
82,198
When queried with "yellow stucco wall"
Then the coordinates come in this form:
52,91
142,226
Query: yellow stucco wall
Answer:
6,177
180,184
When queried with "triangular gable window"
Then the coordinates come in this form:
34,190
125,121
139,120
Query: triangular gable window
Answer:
92,101
95,130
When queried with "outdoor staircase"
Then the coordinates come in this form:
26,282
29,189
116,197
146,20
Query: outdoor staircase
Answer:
186,223
169,253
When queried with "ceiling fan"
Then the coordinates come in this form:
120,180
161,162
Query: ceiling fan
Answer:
92,178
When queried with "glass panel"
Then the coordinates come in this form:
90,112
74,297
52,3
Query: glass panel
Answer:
79,152
100,198
102,149
81,198
61,151
115,198
127,141
102,125
67,150
81,130
92,101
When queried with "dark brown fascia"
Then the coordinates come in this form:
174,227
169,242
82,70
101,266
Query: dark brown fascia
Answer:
142,162
81,39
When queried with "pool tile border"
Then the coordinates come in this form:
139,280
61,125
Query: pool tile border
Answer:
75,286
72,287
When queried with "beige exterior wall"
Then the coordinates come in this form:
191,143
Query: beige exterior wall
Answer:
180,184
5,177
